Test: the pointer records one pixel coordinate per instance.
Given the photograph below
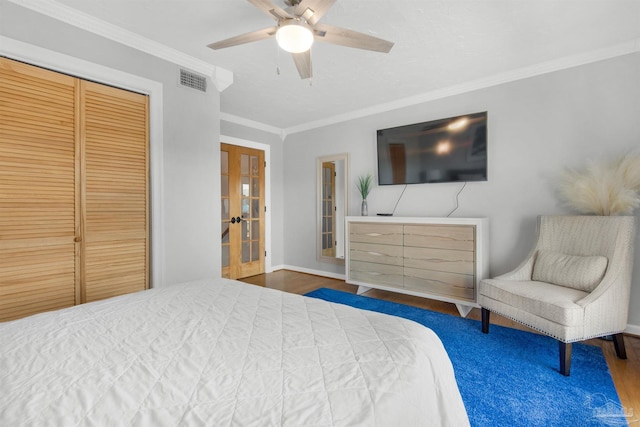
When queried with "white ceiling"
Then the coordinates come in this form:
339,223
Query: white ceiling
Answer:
438,45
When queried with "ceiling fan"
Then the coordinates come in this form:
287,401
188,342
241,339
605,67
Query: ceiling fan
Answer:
297,27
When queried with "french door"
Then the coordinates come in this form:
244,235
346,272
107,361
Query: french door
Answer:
242,193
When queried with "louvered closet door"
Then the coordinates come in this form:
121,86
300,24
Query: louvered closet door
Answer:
116,227
38,128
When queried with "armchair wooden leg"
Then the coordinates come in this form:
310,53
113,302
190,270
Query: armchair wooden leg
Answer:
618,343
565,358
485,320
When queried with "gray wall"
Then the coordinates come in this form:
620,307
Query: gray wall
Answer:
276,169
191,139
537,127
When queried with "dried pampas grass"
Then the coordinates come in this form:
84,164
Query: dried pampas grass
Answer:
629,167
603,188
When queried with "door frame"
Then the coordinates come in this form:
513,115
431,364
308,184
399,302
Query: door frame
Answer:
266,148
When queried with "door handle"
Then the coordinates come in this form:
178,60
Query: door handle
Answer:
236,219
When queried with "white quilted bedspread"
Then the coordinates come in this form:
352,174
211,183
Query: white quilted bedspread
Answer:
223,353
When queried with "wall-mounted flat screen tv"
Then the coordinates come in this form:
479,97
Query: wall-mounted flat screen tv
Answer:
445,150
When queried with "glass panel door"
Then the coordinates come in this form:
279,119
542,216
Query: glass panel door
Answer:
226,215
242,178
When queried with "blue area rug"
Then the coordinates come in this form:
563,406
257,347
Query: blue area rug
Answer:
510,377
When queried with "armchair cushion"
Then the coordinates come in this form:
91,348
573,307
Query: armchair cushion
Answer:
577,272
557,304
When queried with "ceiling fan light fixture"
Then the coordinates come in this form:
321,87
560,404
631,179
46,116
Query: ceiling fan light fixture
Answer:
294,37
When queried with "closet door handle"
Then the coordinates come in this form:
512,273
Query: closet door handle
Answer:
238,220
233,220
77,239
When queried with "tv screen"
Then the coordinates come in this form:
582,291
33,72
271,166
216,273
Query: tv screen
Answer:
445,150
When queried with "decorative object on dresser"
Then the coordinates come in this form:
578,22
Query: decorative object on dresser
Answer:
438,258
364,187
573,286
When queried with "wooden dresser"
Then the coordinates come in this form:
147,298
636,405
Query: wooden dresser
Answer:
438,258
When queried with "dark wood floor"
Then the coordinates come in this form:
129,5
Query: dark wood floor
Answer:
625,373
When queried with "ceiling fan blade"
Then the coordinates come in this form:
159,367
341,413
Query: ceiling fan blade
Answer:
270,9
303,63
349,38
313,10
244,38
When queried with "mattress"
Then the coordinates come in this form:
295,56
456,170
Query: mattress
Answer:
223,353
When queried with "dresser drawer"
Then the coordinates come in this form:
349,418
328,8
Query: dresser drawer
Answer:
376,253
452,285
446,260
460,237
380,274
390,234
439,258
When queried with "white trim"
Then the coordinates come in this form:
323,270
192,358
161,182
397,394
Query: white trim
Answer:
495,80
69,65
252,124
310,271
221,77
633,330
632,46
267,190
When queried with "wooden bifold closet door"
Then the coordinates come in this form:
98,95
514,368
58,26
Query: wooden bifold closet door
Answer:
115,201
74,221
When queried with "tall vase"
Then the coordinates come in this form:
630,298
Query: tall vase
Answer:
364,209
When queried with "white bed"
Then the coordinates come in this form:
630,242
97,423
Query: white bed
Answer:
222,353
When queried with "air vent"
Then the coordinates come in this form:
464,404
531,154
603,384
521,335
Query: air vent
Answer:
193,80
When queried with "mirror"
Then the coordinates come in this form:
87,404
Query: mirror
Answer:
333,196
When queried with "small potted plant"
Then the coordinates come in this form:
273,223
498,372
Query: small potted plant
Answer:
364,187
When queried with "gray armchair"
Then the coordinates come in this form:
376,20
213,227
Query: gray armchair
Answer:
574,285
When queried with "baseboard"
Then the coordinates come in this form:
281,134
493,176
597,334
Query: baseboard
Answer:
309,271
633,330
276,268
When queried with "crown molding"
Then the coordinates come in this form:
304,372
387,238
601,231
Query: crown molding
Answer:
632,46
253,124
221,77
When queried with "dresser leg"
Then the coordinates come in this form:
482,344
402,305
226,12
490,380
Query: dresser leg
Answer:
463,309
362,290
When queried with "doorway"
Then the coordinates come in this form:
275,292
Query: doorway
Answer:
242,203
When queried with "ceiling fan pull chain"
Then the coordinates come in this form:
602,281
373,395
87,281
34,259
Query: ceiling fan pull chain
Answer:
277,60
